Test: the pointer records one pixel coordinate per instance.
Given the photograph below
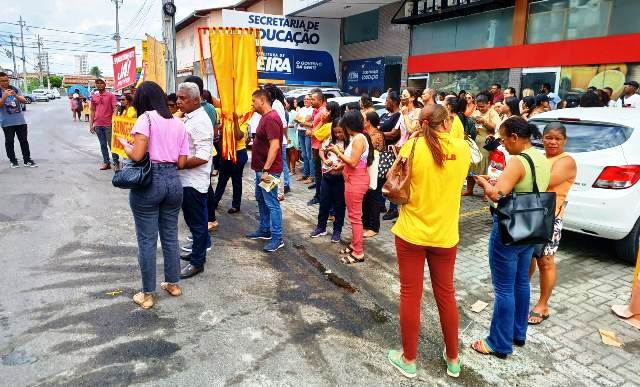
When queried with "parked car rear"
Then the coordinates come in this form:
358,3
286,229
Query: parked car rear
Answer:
605,199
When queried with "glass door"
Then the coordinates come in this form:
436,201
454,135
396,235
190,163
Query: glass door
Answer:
533,78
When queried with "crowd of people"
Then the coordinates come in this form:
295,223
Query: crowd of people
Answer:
345,156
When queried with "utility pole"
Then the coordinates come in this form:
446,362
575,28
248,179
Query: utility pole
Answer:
24,65
13,56
48,73
116,36
40,60
169,36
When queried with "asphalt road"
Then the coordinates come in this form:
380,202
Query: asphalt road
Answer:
68,253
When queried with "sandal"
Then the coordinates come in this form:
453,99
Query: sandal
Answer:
482,347
542,317
352,259
172,289
145,300
346,250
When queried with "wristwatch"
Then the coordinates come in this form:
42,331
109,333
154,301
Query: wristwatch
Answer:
265,170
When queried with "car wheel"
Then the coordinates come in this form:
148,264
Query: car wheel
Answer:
627,247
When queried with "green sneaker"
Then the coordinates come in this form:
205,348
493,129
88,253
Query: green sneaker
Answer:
395,358
453,370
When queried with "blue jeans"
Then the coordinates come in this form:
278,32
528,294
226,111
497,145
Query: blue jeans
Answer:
305,147
194,210
269,208
332,201
104,137
510,276
233,171
285,167
155,210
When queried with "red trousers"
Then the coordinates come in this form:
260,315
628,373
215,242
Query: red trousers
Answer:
356,184
441,264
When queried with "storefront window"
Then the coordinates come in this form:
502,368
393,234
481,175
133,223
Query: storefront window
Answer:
471,81
361,27
482,30
554,20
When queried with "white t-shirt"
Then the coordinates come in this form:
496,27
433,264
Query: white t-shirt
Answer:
633,101
304,112
254,121
200,130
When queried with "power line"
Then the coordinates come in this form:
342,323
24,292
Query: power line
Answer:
64,31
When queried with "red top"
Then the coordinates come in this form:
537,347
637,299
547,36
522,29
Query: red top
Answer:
317,119
269,128
103,105
498,97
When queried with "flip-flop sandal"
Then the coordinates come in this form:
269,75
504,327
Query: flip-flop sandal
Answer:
351,259
482,347
537,315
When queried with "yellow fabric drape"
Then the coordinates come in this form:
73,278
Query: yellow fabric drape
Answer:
234,62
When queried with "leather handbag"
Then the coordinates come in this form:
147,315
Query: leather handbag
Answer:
134,174
526,218
397,188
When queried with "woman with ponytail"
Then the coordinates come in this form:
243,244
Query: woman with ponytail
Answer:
356,158
510,264
427,228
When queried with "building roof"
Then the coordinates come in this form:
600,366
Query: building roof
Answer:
69,80
198,13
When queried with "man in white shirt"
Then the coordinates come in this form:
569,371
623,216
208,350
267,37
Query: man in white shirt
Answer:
629,97
304,114
195,176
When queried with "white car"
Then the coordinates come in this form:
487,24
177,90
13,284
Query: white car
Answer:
605,199
40,95
299,94
54,92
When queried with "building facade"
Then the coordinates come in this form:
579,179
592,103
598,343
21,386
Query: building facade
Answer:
81,65
373,51
571,44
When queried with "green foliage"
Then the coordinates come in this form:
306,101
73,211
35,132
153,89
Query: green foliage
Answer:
95,71
56,81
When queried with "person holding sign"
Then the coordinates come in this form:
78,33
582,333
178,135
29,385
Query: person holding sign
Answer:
156,207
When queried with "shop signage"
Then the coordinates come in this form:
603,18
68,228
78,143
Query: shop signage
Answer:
363,76
296,50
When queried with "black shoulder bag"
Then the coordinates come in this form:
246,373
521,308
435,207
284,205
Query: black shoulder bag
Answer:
526,218
134,174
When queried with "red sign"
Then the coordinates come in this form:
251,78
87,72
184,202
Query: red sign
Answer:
124,68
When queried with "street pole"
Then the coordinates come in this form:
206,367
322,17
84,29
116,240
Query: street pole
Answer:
24,64
48,73
116,37
40,61
169,36
13,56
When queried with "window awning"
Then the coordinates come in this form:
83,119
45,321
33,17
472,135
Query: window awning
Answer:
425,11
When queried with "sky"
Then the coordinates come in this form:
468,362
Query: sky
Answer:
93,22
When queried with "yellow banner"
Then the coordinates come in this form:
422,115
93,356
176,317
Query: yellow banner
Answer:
121,127
155,53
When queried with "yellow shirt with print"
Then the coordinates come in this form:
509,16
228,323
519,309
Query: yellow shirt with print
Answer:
457,129
430,218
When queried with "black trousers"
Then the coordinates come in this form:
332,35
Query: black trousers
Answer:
317,171
9,134
371,210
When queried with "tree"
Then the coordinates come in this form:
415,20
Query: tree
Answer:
95,71
56,81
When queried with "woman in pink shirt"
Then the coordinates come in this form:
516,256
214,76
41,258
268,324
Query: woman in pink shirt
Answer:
156,207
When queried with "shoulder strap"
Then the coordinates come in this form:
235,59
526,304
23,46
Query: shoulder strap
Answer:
533,171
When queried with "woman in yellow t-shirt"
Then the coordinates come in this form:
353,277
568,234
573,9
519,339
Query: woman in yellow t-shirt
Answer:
427,228
126,107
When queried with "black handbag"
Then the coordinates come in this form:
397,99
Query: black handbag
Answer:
134,174
526,218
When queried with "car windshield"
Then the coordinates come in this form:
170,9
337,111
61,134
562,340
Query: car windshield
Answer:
586,136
